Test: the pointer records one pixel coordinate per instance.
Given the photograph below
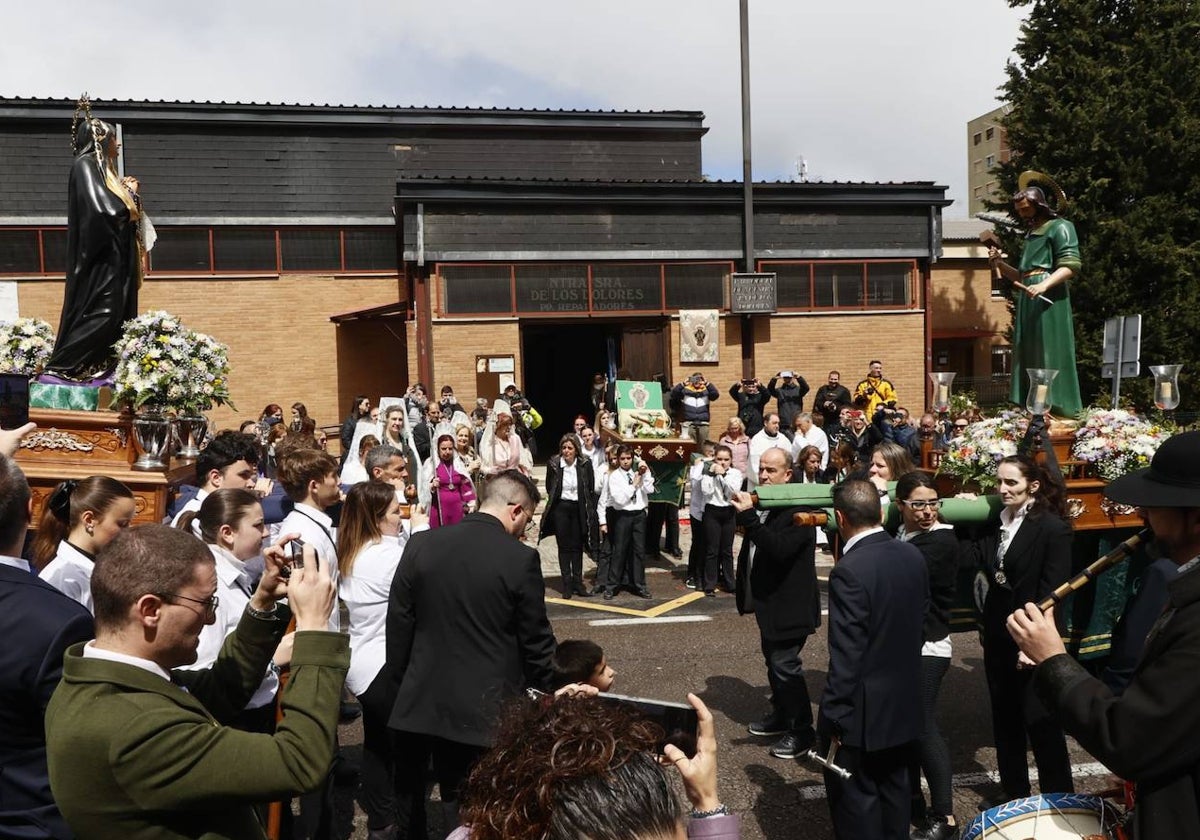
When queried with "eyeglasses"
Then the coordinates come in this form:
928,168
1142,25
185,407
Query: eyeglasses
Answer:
921,504
528,514
210,604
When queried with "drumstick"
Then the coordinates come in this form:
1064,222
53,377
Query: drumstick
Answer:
1093,571
827,761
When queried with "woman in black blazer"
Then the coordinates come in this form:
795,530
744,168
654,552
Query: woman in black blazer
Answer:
572,522
1021,560
917,497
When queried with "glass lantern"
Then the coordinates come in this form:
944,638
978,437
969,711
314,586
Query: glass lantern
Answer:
942,381
1038,399
1166,386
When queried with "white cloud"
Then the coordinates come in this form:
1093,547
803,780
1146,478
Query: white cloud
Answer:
863,89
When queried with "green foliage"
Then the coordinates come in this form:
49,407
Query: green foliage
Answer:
1105,98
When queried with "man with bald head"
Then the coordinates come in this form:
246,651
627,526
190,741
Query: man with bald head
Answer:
777,581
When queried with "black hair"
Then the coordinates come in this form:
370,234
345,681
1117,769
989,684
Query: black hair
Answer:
575,660
858,501
226,448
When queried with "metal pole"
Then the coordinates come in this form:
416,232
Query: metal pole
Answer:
747,185
747,174
1116,396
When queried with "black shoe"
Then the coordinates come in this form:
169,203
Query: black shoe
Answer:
710,593
644,593
772,724
609,595
677,554
793,745
348,711
584,592
939,829
691,583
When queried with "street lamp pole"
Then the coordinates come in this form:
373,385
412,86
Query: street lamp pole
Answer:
747,186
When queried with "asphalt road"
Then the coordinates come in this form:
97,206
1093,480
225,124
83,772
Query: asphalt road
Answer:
705,646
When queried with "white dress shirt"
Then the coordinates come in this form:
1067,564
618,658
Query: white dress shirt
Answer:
316,529
570,481
813,437
90,651
365,591
626,492
759,444
719,489
233,594
70,572
19,563
193,503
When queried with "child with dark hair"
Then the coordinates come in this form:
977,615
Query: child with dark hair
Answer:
582,661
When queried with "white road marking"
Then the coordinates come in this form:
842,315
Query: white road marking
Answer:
810,793
662,619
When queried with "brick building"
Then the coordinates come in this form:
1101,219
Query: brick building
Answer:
340,250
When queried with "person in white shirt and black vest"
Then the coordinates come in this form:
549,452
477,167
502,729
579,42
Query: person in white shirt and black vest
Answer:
629,489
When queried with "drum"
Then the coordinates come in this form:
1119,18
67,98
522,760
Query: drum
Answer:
1052,816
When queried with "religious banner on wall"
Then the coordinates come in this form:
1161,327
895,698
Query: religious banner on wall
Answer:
698,333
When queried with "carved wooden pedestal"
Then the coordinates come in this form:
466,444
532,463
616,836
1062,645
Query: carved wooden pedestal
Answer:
77,444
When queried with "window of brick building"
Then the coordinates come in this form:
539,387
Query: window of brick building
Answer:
990,133
976,139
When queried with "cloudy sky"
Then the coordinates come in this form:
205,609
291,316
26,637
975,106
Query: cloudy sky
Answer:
863,90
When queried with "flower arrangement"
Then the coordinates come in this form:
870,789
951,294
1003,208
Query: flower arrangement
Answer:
25,346
1116,442
973,455
162,363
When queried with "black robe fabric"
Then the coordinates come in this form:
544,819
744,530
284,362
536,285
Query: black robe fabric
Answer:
102,271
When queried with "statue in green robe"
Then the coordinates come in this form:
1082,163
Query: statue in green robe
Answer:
1043,332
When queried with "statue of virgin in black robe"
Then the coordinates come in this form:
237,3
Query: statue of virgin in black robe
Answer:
103,257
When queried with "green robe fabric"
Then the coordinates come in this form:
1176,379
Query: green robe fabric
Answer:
1044,334
134,757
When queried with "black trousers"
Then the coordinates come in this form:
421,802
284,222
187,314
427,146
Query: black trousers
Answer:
873,804
568,532
628,531
934,755
659,514
376,794
696,552
789,691
718,542
452,763
1017,714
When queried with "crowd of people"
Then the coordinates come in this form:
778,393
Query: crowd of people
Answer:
202,663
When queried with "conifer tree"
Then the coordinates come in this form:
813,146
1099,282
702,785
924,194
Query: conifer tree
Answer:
1105,98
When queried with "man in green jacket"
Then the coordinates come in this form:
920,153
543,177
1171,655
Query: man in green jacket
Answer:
139,750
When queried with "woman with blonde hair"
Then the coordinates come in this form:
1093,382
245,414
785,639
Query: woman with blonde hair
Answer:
738,441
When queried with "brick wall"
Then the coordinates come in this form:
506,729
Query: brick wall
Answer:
282,346
962,300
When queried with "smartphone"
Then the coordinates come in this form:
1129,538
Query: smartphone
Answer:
14,400
679,722
296,553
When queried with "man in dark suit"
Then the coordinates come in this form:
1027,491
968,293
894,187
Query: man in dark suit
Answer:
1146,734
46,622
777,581
466,630
424,433
871,709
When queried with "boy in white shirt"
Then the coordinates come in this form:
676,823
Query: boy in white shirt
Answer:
718,482
310,479
629,489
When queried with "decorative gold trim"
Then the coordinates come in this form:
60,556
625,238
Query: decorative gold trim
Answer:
679,451
1110,508
54,439
659,452
1075,508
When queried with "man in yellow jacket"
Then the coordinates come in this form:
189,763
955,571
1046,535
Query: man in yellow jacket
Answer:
874,391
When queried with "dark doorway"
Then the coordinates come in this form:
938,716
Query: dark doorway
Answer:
558,362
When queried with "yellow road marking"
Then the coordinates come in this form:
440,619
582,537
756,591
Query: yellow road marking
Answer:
653,612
